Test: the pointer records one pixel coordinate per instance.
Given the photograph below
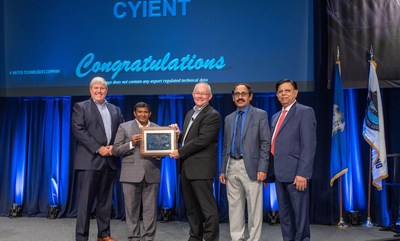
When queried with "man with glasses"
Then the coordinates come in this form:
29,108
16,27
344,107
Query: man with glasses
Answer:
245,163
198,165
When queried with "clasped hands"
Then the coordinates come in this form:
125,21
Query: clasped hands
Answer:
105,151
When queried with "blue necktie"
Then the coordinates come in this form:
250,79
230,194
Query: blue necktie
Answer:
237,143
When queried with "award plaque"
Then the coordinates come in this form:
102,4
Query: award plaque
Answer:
157,141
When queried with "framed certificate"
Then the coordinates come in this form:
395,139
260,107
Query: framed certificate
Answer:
157,141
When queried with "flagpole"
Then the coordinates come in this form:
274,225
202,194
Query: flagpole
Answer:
342,223
368,223
374,134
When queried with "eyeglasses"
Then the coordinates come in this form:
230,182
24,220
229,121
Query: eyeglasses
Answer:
202,94
243,94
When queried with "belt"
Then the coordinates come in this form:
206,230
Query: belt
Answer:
237,158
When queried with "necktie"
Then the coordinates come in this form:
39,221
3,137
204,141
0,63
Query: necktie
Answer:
278,126
238,135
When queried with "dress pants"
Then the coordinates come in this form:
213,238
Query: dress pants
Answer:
94,185
294,208
201,208
242,190
136,194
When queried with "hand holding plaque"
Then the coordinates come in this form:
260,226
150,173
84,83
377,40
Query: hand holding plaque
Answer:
157,141
136,138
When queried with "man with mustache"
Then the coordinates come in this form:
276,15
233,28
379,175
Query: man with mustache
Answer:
245,163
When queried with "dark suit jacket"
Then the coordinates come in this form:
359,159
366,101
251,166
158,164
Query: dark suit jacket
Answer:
134,166
255,141
295,144
199,154
88,129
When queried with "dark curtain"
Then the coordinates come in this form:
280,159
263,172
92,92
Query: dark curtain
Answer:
36,167
356,27
35,162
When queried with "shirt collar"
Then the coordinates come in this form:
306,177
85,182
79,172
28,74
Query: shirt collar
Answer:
199,109
245,109
290,106
140,125
97,103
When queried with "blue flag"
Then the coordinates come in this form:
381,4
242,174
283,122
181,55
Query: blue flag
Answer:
339,143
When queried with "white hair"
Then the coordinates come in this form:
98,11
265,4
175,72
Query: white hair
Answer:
202,83
98,80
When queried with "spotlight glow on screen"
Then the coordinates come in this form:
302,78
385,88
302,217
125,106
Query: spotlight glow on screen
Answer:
156,46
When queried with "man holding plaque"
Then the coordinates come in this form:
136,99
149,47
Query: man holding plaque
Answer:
140,175
198,165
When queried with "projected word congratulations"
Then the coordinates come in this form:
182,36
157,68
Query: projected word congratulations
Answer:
188,63
150,9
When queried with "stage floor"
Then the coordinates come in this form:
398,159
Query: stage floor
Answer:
35,229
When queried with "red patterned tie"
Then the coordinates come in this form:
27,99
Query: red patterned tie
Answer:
278,126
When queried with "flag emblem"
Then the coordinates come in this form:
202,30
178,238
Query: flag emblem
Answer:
337,123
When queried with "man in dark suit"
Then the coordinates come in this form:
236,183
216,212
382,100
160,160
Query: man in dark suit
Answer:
245,163
140,175
293,148
198,156
94,125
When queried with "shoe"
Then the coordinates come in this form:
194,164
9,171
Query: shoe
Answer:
106,239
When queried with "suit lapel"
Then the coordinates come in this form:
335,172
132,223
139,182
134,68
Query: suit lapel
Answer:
195,121
230,131
288,116
187,120
201,114
249,117
98,117
274,120
135,126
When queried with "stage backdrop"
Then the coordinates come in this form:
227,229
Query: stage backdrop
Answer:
155,46
36,159
355,27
